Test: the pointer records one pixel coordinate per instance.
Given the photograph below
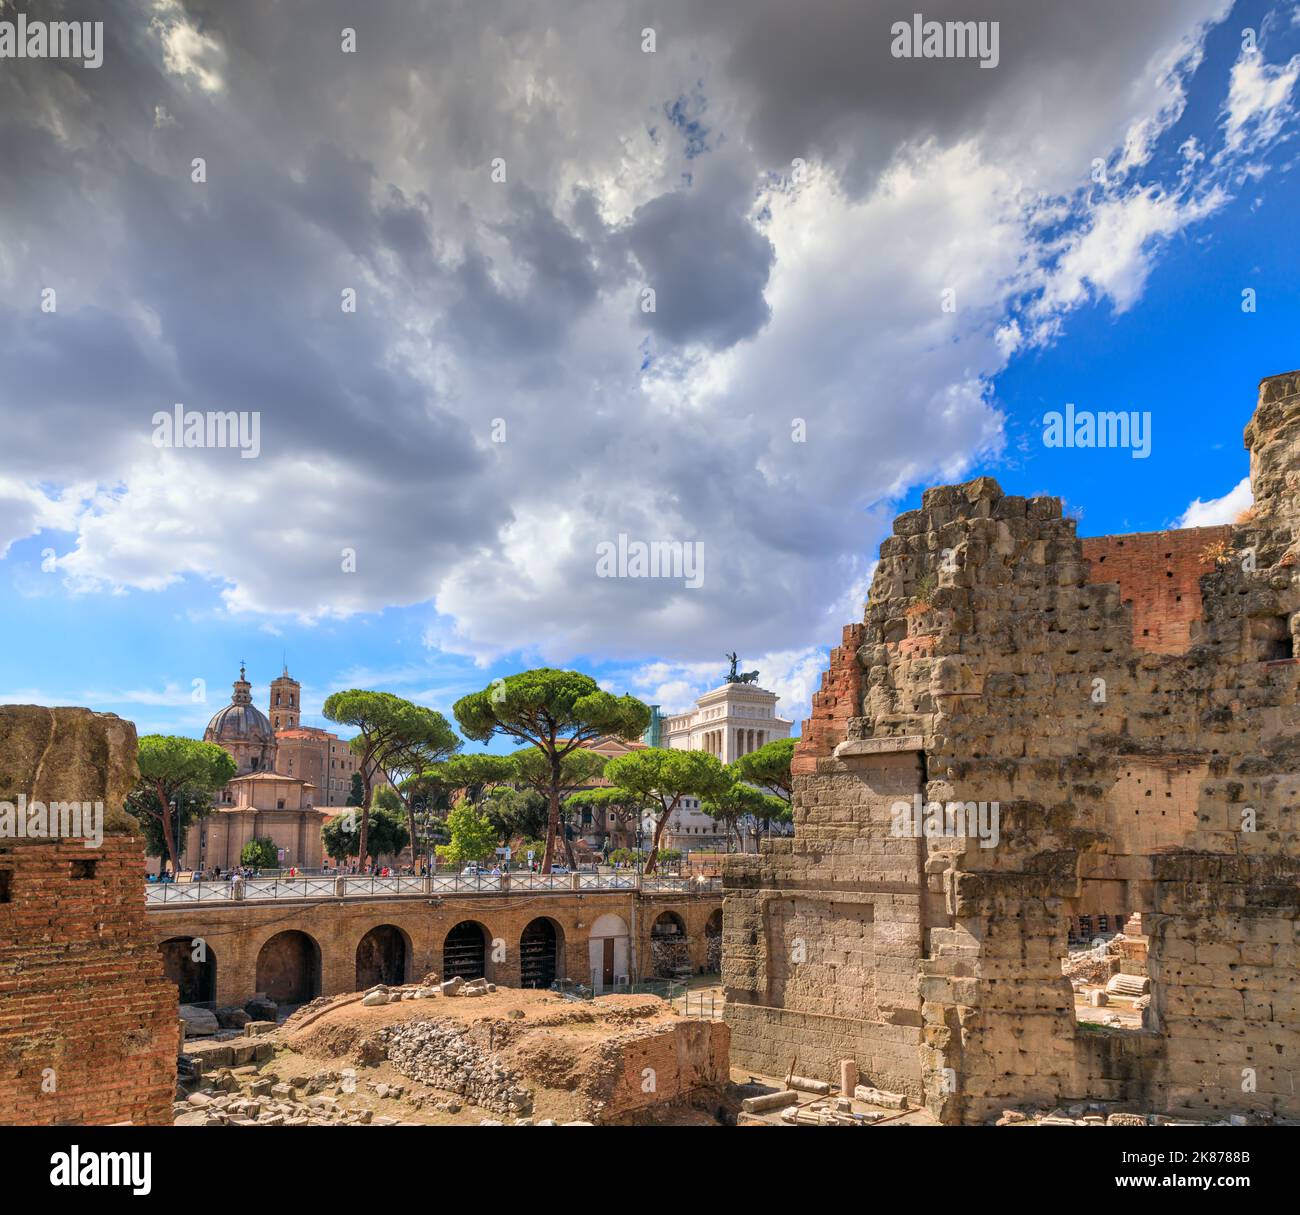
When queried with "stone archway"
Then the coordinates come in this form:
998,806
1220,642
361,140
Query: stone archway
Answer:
382,957
190,963
464,951
669,946
288,968
541,953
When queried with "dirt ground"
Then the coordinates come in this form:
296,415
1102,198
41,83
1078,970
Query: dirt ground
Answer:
555,1045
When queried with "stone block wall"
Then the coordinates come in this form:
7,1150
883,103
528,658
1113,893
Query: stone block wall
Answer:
88,1025
1129,706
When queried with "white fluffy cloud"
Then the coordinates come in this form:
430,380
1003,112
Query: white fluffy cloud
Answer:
500,403
1260,100
1219,510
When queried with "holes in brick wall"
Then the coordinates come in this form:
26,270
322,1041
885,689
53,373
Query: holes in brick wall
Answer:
82,871
6,885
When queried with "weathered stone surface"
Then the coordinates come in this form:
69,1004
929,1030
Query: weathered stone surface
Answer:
1114,722
199,1022
80,973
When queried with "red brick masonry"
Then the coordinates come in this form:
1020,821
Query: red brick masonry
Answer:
839,699
1159,573
88,1024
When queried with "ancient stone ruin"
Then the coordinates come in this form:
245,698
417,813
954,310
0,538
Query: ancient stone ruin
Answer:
89,1032
1029,730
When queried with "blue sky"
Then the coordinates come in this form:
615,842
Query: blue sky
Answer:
784,293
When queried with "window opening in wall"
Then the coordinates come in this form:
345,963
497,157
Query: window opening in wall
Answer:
1106,963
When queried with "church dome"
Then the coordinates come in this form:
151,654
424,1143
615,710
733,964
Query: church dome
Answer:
239,723
241,720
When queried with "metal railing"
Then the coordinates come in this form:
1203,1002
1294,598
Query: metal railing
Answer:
352,886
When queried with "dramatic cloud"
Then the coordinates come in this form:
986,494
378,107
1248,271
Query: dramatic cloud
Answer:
424,265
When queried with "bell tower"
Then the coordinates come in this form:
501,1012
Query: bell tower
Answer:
286,701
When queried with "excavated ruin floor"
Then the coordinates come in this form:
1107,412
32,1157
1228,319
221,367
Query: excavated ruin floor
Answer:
327,1064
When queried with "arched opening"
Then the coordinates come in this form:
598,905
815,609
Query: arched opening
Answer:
382,957
607,952
669,950
190,963
288,968
713,943
464,952
540,953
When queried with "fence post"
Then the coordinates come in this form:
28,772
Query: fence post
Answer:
340,886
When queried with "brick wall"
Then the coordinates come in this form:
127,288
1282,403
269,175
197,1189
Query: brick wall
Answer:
88,1027
839,699
236,935
1159,574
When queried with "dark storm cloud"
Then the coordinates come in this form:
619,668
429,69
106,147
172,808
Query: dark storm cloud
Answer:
479,299
705,260
820,79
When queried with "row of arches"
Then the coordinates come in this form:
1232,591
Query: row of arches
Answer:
288,967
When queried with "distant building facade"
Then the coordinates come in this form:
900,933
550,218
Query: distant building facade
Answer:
289,777
730,721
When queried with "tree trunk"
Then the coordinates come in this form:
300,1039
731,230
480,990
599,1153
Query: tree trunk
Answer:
365,813
168,837
553,814
568,846
654,846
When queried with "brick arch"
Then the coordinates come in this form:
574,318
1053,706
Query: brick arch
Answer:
384,955
541,952
288,967
196,981
461,953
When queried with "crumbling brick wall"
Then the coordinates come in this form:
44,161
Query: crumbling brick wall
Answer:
1138,731
88,1024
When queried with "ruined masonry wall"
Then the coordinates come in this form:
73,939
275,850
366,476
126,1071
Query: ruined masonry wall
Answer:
88,1025
1123,702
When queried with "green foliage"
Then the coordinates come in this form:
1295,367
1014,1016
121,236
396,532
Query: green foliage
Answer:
388,833
260,853
172,762
657,779
358,794
577,768
925,589
473,838
515,812
555,712
551,710
394,736
177,770
730,804
769,766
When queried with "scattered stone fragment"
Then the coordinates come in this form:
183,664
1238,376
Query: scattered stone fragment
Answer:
876,1096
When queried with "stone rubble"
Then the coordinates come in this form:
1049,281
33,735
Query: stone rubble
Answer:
440,1055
